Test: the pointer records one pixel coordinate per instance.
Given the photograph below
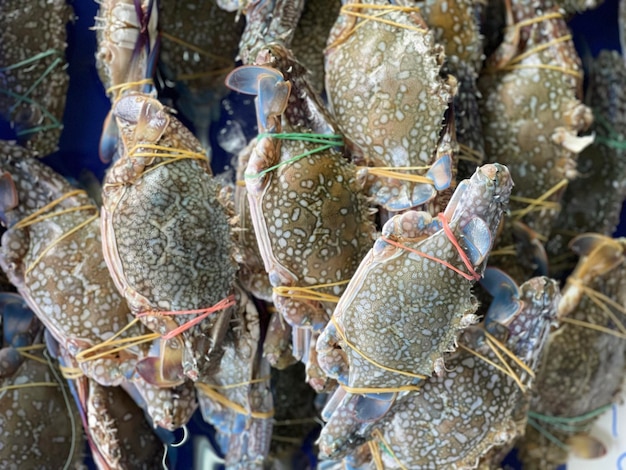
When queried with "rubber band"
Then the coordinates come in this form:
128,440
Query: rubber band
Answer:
545,433
25,352
472,276
537,19
375,451
30,60
366,390
507,351
210,392
508,250
71,373
469,154
309,293
36,83
378,171
385,9
507,366
40,215
593,326
617,144
121,88
343,337
570,424
298,421
492,364
378,435
195,48
7,388
56,124
535,204
601,301
68,407
241,384
328,141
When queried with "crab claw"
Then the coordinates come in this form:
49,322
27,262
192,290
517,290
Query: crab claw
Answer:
477,238
331,359
107,148
506,304
373,406
165,370
441,173
146,114
604,253
270,87
456,198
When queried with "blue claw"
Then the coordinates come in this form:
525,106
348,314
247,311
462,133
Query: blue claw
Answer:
245,79
477,237
8,195
458,196
441,173
373,406
506,304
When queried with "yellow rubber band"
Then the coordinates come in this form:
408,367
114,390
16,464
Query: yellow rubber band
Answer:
241,384
384,9
378,435
210,391
195,48
369,359
535,204
71,373
123,87
593,326
27,385
308,293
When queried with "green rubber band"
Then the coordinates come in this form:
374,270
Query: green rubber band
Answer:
25,99
37,82
328,139
34,130
617,144
287,162
36,57
545,433
573,419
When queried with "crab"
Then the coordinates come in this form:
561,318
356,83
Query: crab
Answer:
237,399
467,416
464,57
52,253
267,21
33,75
409,298
312,221
375,73
32,437
167,238
583,366
593,201
310,37
126,34
199,42
532,114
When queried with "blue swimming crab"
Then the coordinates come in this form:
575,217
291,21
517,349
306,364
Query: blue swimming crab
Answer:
532,113
40,427
409,299
52,253
33,75
583,367
199,42
167,238
593,201
465,417
311,218
385,90
237,398
127,34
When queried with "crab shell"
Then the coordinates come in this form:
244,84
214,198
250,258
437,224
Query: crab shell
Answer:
166,232
312,222
457,420
402,310
532,115
375,73
33,37
68,285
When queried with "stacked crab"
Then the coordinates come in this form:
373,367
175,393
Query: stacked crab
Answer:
371,250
